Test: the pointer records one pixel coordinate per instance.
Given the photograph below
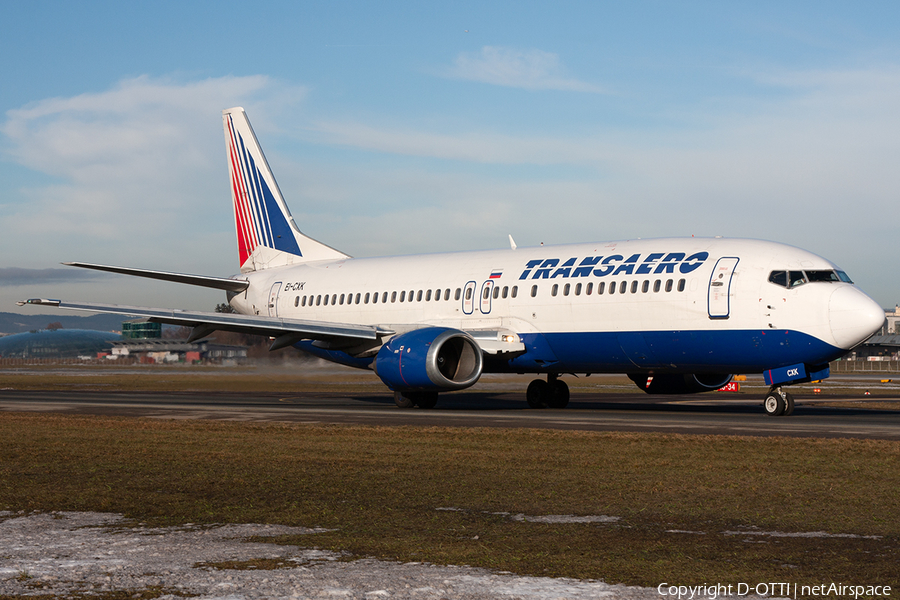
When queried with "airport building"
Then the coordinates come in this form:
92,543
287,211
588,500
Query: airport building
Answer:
891,322
162,351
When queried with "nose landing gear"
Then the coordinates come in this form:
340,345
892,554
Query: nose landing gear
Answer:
779,402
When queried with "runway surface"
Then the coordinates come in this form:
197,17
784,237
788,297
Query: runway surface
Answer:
590,412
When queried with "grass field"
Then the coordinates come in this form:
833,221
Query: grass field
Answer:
688,509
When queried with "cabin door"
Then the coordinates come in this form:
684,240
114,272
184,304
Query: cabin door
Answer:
719,299
273,299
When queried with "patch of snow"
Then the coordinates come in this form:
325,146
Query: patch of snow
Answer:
804,534
72,553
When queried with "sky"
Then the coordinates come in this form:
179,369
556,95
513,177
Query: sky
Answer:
407,127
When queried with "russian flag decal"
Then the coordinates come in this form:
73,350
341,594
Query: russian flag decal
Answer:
496,274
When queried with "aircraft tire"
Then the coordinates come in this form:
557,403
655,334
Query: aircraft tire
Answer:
537,393
559,394
426,400
774,404
403,401
788,404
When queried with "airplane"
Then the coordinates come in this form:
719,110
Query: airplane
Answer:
676,315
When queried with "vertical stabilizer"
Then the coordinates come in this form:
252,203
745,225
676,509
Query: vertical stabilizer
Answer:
267,235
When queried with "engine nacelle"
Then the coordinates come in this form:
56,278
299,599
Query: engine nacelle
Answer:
429,359
681,384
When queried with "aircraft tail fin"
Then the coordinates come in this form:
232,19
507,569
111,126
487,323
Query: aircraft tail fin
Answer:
267,235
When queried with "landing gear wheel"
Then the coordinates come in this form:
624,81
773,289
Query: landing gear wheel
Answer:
426,400
775,405
537,393
559,394
788,404
403,401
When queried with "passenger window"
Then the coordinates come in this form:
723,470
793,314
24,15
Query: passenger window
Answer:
577,289
656,285
778,278
384,297
612,287
515,291
496,292
634,286
534,291
668,285
600,287
487,293
468,293
645,287
566,289
394,296
297,301
427,295
623,287
681,285
457,293
505,291
447,294
342,299
588,289
366,299
375,298
319,299
333,299
325,303
418,296
357,298
554,289
304,301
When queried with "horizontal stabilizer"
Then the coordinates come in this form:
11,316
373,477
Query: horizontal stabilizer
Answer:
219,283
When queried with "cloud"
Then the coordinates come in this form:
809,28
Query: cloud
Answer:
14,276
473,146
509,67
142,160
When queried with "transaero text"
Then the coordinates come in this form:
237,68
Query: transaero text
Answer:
657,263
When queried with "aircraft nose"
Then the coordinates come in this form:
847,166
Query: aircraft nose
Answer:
853,316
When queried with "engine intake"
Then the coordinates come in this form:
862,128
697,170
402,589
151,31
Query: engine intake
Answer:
432,358
680,384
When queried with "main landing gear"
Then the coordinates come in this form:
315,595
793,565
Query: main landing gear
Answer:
420,399
553,393
779,402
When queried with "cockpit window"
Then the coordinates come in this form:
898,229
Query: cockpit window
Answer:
778,278
822,276
792,279
796,278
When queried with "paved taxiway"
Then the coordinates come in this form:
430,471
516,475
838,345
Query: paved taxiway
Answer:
591,412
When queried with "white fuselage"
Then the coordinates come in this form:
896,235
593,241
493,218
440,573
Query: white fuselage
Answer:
674,300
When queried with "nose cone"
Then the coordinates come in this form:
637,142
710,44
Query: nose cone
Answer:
853,316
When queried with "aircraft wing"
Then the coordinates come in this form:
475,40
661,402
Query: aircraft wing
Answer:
286,331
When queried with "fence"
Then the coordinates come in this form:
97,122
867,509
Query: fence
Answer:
865,366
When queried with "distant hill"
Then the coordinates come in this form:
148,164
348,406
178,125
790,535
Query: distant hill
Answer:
16,323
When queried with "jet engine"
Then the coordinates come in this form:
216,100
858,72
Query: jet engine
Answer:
680,384
430,359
